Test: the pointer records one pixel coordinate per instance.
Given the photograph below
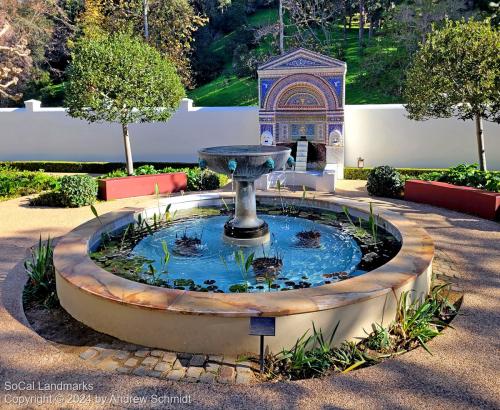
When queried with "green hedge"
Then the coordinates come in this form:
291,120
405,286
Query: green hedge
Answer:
85,167
362,173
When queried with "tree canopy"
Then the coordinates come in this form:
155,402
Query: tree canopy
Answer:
121,79
456,72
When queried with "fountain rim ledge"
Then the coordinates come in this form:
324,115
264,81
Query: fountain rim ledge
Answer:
254,150
73,265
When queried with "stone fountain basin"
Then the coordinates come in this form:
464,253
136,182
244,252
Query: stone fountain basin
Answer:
250,159
217,323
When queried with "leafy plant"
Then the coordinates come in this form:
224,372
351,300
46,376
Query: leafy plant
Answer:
384,181
42,280
78,190
356,230
465,175
379,339
14,183
372,222
348,356
145,170
416,322
244,264
311,356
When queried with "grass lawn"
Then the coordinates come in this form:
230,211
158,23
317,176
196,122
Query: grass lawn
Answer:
228,90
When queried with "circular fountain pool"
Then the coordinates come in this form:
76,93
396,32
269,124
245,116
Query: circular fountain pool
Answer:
212,322
213,263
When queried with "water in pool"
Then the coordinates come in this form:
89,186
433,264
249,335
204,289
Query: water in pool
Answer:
214,262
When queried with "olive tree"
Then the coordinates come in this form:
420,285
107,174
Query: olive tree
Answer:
121,79
456,73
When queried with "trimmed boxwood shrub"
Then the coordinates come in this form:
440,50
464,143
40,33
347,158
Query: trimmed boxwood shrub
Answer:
385,181
362,173
78,190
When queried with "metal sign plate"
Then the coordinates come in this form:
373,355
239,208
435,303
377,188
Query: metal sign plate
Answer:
262,326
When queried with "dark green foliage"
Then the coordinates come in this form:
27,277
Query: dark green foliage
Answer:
418,322
243,36
51,198
84,167
41,286
120,78
146,170
379,340
78,190
232,18
314,356
210,181
207,64
246,61
198,180
384,181
311,356
362,173
14,183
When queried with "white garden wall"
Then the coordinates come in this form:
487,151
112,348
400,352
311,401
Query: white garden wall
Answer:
381,134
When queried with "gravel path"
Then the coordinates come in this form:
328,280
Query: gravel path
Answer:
463,372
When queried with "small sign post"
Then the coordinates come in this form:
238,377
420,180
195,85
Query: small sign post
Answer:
262,326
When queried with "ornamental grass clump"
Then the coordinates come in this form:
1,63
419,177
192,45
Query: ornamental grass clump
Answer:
415,324
41,285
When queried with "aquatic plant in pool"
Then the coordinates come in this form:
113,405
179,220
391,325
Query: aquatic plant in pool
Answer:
307,249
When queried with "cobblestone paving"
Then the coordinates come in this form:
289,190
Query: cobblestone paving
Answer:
140,361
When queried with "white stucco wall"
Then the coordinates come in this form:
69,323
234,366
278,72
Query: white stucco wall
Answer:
381,134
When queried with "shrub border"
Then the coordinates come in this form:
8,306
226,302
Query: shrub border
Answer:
86,167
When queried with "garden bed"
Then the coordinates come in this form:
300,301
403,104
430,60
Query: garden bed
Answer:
458,198
126,187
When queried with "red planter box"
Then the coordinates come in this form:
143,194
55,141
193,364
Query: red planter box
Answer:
126,187
458,198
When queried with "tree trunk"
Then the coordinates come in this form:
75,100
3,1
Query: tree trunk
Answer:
370,31
361,22
345,21
146,24
282,28
128,151
480,143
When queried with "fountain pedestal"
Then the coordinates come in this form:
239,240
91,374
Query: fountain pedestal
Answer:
246,228
245,163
